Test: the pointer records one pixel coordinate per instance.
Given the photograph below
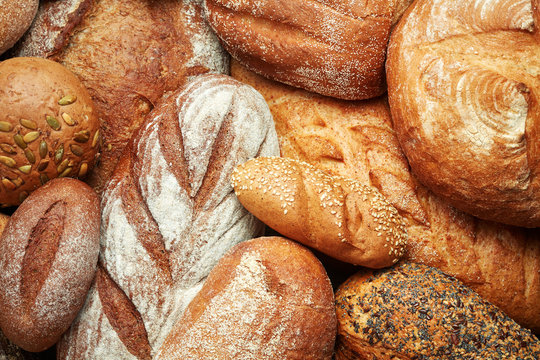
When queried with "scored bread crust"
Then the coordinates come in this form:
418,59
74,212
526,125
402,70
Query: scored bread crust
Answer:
169,213
464,89
356,140
267,298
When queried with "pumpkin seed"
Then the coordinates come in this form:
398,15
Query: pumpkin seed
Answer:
8,148
53,123
43,178
5,126
95,139
30,156
43,165
29,124
26,169
82,136
63,165
31,136
59,154
9,162
19,140
67,100
8,184
76,149
22,196
65,173
18,181
67,119
83,169
43,149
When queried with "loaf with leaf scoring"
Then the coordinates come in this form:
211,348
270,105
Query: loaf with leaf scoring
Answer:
169,213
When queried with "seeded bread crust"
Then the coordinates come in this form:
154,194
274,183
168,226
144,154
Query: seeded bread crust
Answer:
413,311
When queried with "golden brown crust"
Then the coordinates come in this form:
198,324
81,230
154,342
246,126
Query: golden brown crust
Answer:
340,217
463,89
48,257
414,311
335,48
267,298
503,262
15,18
49,127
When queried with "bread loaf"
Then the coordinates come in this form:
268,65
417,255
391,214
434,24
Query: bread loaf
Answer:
48,126
128,54
414,311
463,85
335,48
169,214
267,298
337,216
15,19
48,257
9,351
356,140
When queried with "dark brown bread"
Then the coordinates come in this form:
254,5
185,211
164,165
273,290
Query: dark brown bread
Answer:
48,126
15,18
413,311
128,54
267,298
48,257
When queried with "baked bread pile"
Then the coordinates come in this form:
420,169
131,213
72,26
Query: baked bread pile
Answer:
188,165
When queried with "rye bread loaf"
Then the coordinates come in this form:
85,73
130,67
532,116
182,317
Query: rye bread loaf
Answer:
267,298
356,140
413,311
464,90
15,18
128,54
48,256
169,213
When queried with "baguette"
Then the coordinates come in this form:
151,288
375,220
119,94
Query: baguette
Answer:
337,216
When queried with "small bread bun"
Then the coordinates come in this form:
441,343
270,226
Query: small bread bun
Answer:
48,127
15,18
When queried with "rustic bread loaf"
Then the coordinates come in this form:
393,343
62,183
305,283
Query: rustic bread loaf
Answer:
356,140
48,256
413,311
267,298
463,86
169,213
48,126
128,54
338,216
335,48
15,18
9,351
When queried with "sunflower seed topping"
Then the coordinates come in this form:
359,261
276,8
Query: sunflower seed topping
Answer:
9,162
63,165
26,169
31,136
82,136
66,172
68,119
83,170
59,154
5,126
8,148
29,124
8,184
67,100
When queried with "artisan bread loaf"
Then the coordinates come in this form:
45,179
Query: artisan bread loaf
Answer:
9,351
169,214
463,86
128,54
48,126
15,18
335,48
267,298
48,256
340,217
413,311
356,140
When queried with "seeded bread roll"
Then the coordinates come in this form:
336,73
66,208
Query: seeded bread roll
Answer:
414,311
335,215
48,257
48,127
267,298
356,140
15,18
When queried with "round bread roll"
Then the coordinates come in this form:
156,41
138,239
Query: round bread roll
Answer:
48,127
464,91
15,18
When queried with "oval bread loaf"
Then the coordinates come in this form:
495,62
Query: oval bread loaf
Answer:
267,298
414,311
169,214
48,256
15,18
335,215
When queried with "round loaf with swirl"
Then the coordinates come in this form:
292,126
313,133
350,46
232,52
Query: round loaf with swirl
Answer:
463,85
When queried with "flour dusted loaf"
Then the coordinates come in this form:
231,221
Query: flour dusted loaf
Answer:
267,298
169,214
335,48
48,126
338,216
356,140
15,18
464,86
413,311
128,54
48,257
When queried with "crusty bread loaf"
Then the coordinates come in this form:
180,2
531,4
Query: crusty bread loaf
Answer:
128,54
267,298
413,311
169,213
10,351
15,18
48,256
463,87
335,48
340,217
356,140
48,126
